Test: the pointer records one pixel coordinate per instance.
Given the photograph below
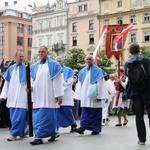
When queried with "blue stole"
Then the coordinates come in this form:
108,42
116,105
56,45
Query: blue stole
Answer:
54,68
67,72
96,73
22,72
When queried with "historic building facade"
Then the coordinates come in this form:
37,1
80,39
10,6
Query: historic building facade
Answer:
50,28
125,12
15,30
83,25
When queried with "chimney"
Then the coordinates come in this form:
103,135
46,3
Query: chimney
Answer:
15,2
6,3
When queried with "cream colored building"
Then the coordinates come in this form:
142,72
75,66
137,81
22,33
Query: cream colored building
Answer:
15,30
83,25
125,12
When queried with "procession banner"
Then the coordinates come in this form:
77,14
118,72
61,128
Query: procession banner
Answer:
112,32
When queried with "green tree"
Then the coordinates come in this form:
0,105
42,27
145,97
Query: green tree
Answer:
144,52
105,63
75,59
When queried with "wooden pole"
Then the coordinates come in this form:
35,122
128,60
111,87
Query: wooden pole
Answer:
119,67
29,100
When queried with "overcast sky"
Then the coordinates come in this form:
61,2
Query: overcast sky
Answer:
26,2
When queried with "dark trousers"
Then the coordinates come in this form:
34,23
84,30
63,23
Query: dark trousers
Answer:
4,118
139,107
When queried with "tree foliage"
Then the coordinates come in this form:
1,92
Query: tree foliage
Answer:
75,59
144,52
105,63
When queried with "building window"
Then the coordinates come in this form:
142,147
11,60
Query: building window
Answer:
20,15
29,55
40,41
74,41
106,7
91,39
74,27
19,40
30,29
1,40
147,17
133,38
60,5
60,37
133,18
49,23
40,25
49,41
20,28
1,53
146,36
119,3
120,20
1,13
106,21
91,25
60,21
1,27
85,7
80,8
29,42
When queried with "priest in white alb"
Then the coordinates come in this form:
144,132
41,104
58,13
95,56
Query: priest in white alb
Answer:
14,90
65,113
47,92
91,90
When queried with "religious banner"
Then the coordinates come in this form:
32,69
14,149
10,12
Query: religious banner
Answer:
112,32
123,32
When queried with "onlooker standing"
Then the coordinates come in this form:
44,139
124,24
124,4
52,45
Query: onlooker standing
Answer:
111,92
64,113
14,90
91,115
141,98
75,108
120,106
111,81
47,92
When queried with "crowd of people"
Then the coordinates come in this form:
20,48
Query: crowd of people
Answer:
61,95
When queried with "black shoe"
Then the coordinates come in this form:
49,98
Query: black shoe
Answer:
118,125
73,127
79,130
125,123
36,142
95,133
53,137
